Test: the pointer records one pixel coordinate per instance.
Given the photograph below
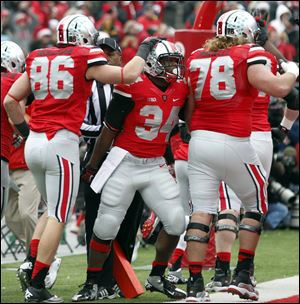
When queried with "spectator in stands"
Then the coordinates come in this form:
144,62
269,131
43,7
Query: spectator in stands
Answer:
43,39
23,28
282,19
6,29
150,19
191,18
110,23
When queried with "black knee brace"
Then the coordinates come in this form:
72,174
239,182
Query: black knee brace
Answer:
255,216
196,238
222,227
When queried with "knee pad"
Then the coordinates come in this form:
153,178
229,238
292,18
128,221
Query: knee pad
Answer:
195,238
106,226
176,225
227,227
254,216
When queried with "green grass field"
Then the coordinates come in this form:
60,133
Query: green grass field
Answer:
277,257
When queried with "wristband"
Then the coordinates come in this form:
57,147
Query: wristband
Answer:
23,129
286,123
290,67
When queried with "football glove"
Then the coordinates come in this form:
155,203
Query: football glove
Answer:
146,46
279,134
261,20
17,140
149,225
88,174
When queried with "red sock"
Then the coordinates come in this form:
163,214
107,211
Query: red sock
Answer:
38,266
245,254
176,255
34,244
224,256
195,267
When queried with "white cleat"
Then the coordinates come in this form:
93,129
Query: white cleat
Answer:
52,273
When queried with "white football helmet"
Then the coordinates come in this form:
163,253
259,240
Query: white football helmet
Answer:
12,57
237,23
75,30
165,61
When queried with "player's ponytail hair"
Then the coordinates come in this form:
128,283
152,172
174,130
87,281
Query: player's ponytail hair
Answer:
221,43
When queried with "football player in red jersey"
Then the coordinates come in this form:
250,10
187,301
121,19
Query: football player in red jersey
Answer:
225,78
60,79
261,139
12,65
229,203
139,118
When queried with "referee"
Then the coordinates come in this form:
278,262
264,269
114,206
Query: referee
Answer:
96,108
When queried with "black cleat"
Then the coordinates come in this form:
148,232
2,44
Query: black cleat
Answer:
242,286
219,282
196,291
176,277
160,284
89,292
24,273
35,295
106,293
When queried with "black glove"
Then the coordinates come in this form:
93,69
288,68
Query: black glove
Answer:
262,35
146,46
23,128
17,140
88,174
279,134
184,133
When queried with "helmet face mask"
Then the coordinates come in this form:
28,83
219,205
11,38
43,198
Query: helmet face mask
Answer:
76,30
165,61
237,23
12,57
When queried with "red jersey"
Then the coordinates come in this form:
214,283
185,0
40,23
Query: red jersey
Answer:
7,80
154,115
260,121
57,78
223,96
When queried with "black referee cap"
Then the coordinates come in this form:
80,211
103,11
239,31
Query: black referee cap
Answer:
110,42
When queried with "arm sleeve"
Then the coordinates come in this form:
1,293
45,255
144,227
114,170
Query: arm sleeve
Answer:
292,100
120,105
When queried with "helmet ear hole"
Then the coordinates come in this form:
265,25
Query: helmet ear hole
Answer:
85,40
13,64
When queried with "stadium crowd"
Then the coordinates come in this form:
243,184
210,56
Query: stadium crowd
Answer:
123,28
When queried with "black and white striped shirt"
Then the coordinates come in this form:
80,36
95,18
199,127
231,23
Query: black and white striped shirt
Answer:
96,108
97,104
